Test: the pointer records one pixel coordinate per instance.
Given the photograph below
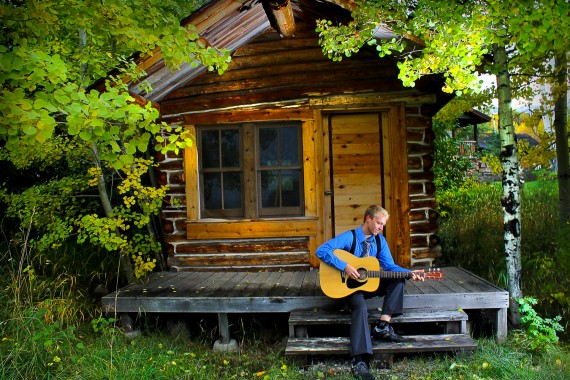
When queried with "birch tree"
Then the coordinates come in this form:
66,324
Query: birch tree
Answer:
459,39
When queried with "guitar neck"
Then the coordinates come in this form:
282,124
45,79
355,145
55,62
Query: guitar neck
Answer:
385,274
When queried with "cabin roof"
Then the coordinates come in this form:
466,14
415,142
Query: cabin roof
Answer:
473,117
230,24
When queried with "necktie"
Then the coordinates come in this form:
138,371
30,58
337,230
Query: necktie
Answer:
366,249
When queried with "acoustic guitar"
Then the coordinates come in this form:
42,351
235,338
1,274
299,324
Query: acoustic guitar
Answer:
336,284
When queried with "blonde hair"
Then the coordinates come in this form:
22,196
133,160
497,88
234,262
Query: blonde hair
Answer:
374,210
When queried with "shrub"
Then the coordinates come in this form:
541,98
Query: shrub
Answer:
471,230
539,333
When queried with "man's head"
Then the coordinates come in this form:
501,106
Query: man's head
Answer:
375,218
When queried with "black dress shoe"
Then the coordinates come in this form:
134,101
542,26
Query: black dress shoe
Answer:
386,334
360,371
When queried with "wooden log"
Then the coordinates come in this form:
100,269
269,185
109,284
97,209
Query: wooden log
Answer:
243,246
243,260
251,229
280,15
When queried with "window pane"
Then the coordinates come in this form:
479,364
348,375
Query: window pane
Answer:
212,191
210,149
290,188
269,188
230,148
232,190
289,146
268,147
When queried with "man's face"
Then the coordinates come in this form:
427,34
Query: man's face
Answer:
376,225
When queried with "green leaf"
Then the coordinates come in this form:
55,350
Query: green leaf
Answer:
130,148
85,135
40,103
61,97
29,129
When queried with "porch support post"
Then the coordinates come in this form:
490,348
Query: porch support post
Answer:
501,325
225,343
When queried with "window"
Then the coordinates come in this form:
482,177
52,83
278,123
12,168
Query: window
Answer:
221,172
251,170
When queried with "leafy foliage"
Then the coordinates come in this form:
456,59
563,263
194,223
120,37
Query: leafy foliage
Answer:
450,168
540,332
455,39
85,141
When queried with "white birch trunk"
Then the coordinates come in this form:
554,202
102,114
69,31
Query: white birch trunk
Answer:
510,199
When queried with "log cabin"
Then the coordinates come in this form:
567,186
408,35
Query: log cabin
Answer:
291,147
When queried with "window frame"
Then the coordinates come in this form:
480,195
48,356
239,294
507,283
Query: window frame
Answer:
249,157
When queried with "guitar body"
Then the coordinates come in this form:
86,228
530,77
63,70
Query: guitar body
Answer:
334,282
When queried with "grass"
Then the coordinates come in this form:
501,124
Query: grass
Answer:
156,354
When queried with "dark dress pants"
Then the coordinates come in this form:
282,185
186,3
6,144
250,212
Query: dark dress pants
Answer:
360,339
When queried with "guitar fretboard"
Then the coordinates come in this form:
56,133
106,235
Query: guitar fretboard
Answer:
384,274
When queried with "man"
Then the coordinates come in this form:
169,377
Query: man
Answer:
363,242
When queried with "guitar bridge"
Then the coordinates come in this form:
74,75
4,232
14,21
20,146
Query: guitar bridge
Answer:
343,277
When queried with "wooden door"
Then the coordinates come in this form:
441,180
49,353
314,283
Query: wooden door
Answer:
356,176
368,165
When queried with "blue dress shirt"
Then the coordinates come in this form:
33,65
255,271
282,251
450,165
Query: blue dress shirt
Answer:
344,242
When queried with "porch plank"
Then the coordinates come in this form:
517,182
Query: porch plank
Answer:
214,281
254,283
281,284
232,281
470,281
269,283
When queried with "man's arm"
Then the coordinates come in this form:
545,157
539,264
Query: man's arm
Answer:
325,251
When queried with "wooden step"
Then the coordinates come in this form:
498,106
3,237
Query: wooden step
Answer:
413,344
455,320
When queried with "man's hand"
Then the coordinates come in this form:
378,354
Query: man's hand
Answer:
351,272
418,275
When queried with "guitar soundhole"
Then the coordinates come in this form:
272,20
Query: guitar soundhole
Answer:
354,284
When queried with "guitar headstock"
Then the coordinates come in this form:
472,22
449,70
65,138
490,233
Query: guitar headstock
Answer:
433,274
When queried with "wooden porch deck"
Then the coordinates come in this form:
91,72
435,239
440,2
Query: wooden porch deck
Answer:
283,292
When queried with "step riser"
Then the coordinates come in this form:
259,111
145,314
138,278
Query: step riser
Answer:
455,321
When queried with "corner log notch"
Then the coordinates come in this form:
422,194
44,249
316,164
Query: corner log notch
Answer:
280,15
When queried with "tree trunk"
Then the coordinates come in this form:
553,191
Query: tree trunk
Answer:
124,260
561,130
510,198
